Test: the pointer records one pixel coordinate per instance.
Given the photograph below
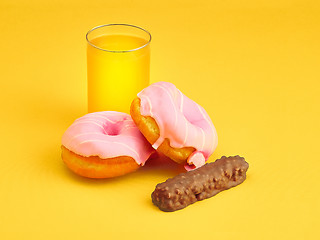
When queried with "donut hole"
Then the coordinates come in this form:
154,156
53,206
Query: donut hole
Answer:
188,118
191,118
189,113
113,129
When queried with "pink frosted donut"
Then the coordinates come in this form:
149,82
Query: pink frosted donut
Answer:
179,121
104,144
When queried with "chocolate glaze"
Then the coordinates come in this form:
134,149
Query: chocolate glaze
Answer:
204,182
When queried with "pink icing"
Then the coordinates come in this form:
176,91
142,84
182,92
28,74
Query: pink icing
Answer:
195,160
181,120
107,134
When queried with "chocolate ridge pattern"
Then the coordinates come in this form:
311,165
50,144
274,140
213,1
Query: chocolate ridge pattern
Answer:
204,182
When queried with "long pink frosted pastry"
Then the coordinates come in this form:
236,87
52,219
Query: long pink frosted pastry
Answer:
181,120
107,135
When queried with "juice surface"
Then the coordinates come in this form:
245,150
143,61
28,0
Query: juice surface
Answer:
115,78
118,42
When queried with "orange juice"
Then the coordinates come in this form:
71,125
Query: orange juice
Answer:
118,68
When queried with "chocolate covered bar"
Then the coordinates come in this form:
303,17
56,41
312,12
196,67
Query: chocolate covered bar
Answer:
204,182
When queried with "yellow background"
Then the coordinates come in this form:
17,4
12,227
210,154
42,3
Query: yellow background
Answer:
253,65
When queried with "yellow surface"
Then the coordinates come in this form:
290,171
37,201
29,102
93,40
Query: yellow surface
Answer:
253,65
110,73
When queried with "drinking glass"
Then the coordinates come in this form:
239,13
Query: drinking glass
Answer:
118,66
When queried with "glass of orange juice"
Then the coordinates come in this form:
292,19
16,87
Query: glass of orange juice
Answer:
118,66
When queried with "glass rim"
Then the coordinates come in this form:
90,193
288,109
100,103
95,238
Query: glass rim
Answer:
118,24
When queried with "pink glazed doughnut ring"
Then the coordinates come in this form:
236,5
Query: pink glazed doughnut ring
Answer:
104,145
174,124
